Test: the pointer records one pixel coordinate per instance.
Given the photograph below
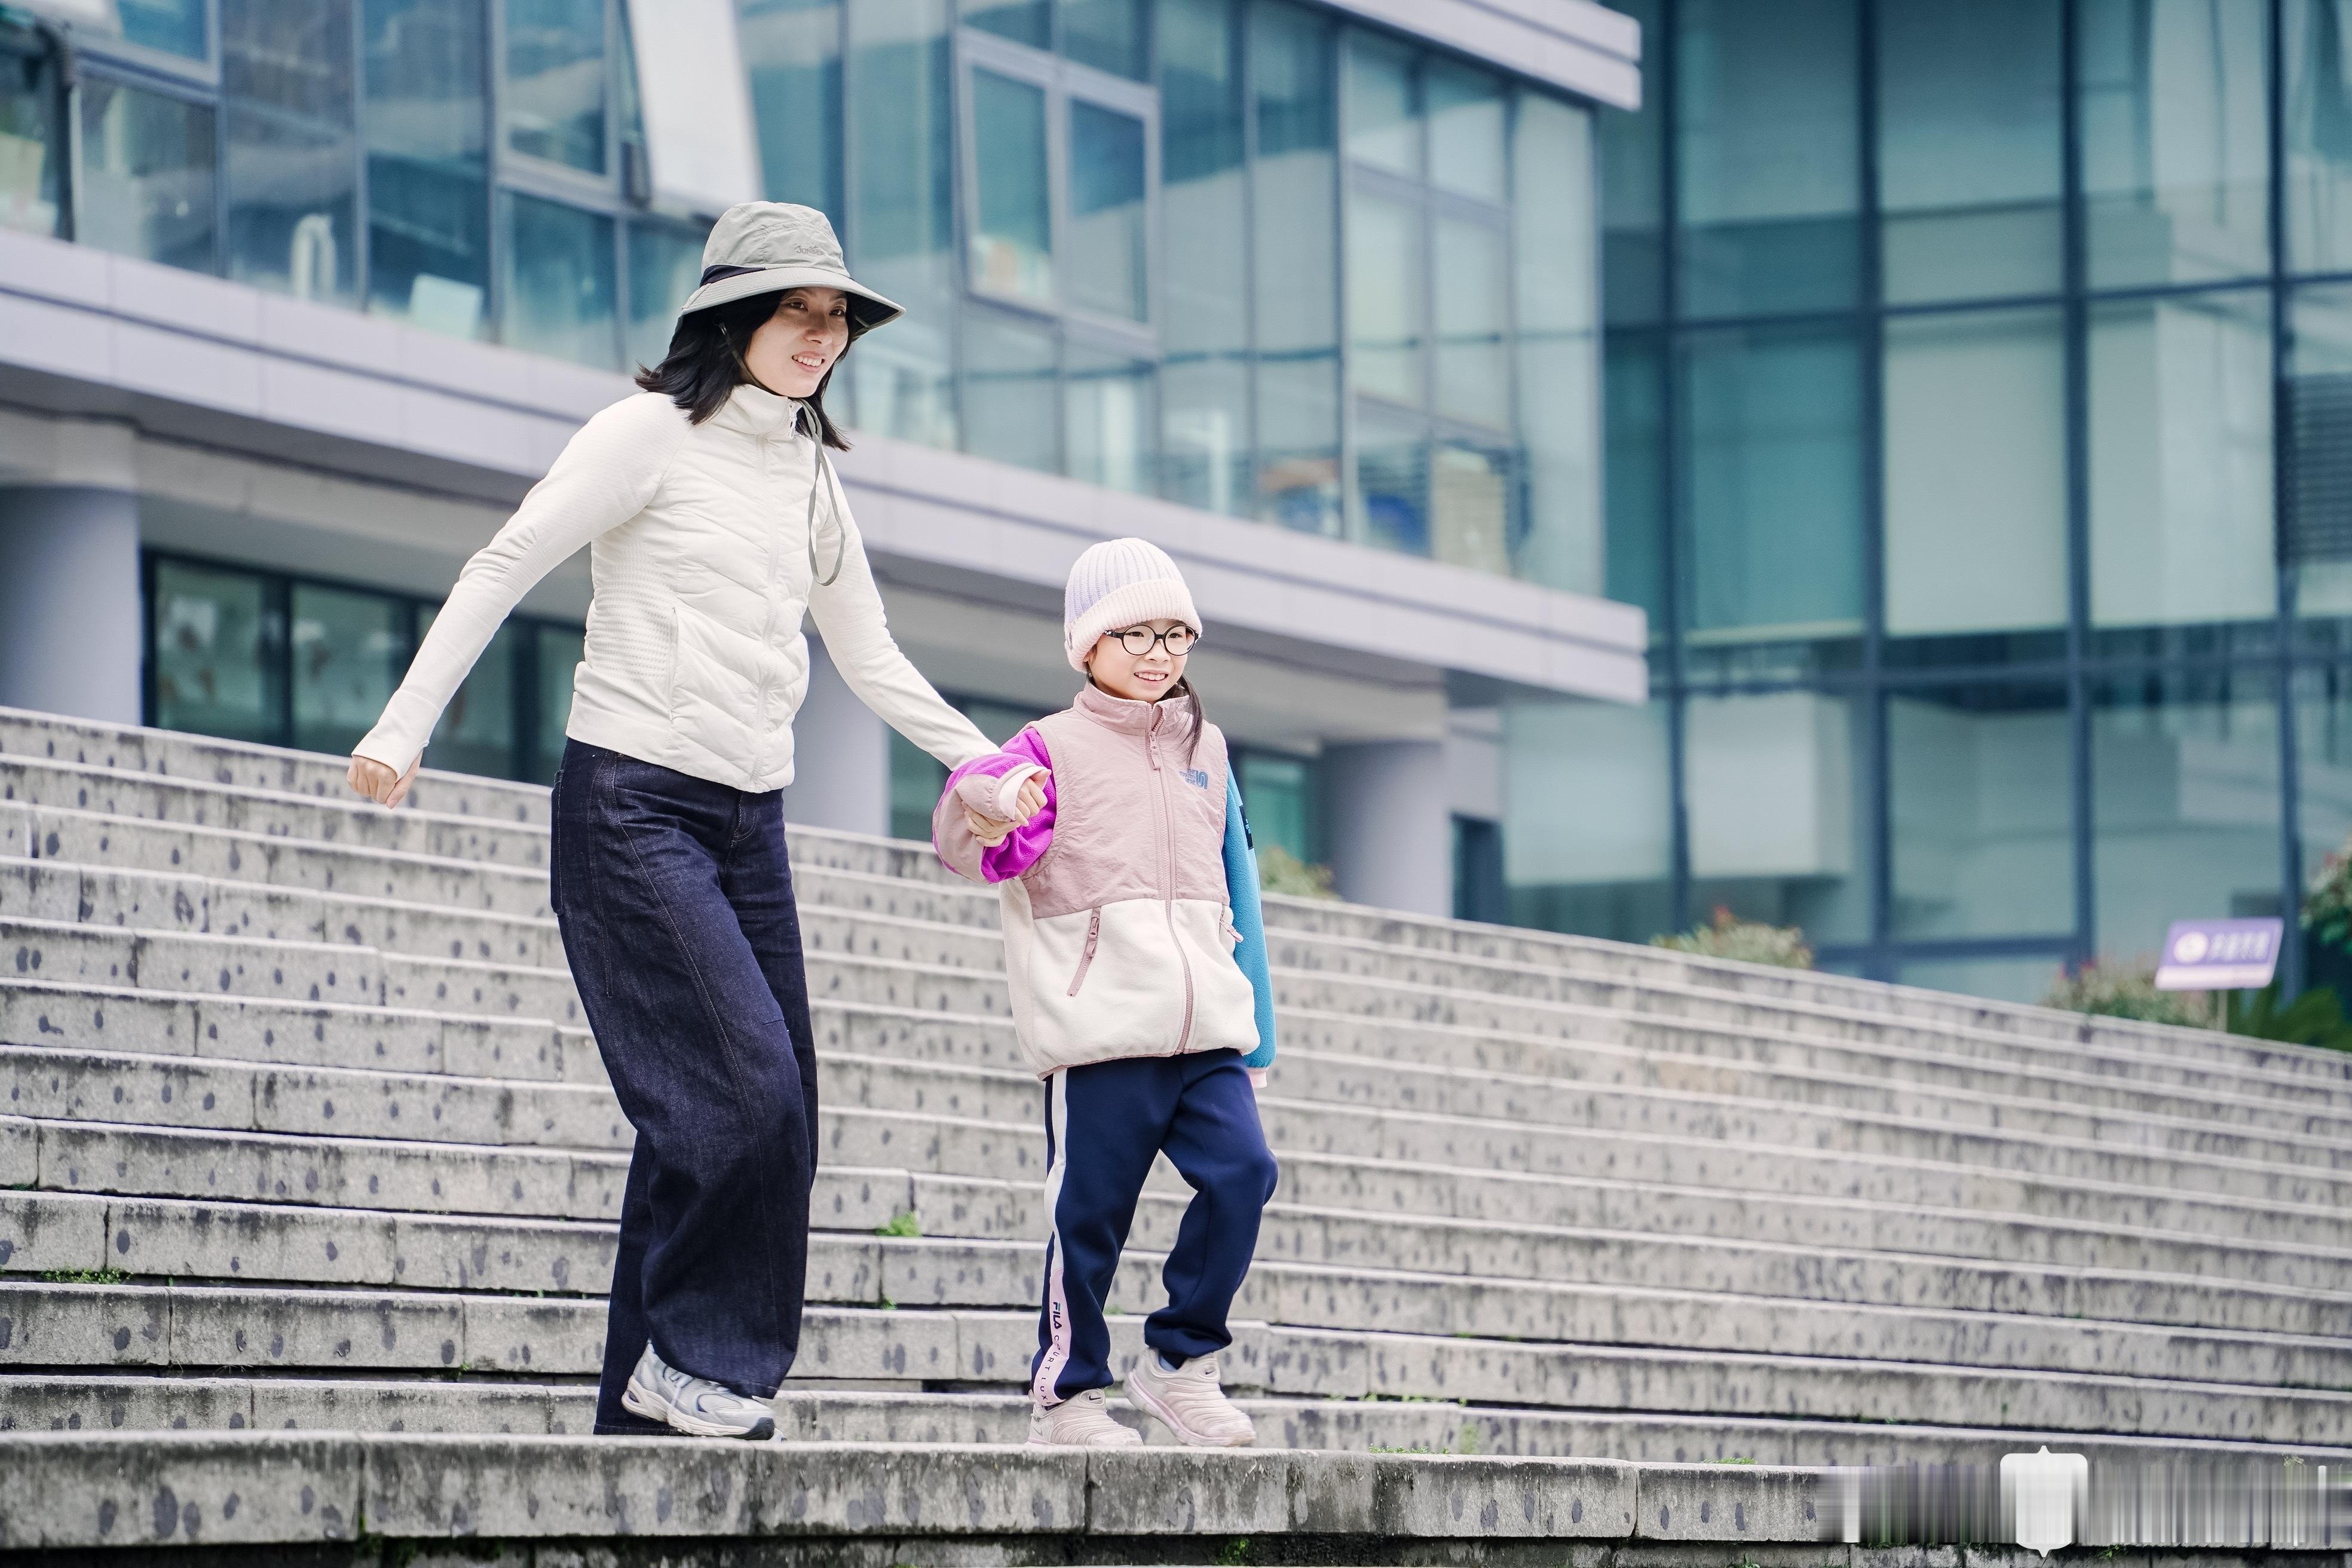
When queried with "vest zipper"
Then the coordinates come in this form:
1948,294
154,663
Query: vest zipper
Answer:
1168,883
1087,958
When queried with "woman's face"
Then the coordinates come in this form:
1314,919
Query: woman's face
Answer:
795,347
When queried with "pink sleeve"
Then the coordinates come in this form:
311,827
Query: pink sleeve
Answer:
976,784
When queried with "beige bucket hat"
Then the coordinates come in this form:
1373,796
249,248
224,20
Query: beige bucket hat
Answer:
763,247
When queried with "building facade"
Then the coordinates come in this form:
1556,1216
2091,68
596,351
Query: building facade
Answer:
298,295
1977,420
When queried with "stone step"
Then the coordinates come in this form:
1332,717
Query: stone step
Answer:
1651,993
2178,1152
201,758
209,1239
1296,1299
132,1086
63,892
1435,1217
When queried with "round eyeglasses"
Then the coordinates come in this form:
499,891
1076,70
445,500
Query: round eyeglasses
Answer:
1140,640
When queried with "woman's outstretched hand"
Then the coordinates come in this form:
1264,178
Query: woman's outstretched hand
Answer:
380,783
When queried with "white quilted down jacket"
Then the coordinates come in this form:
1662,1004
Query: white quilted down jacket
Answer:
703,566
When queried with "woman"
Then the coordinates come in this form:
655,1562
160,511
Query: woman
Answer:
715,523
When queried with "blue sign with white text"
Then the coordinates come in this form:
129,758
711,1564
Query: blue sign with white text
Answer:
2219,955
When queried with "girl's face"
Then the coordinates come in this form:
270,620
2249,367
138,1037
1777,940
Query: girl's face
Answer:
795,347
1139,678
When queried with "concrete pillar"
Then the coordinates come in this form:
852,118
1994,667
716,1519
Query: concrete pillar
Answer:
1386,812
841,757
71,632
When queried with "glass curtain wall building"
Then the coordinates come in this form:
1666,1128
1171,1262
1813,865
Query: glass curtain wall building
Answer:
1975,405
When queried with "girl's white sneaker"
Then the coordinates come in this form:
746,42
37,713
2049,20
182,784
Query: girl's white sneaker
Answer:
1082,1421
659,1392
1190,1401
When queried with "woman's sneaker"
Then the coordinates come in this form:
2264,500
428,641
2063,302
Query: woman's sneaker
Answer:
659,1392
1190,1401
1081,1421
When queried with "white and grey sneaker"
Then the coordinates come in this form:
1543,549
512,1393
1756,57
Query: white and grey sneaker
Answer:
659,1392
1081,1421
1190,1401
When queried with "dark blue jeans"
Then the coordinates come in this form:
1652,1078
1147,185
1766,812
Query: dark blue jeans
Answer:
676,903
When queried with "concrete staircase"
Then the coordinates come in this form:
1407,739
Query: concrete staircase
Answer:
303,1128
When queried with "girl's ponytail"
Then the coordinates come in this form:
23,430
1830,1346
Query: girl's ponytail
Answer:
1200,718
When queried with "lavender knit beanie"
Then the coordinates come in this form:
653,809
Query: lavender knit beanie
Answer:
1118,583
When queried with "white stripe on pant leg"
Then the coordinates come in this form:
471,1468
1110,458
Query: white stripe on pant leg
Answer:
1058,1257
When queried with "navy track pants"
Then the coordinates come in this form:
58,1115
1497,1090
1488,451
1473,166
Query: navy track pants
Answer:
1104,1122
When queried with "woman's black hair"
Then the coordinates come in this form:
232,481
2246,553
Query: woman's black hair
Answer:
705,362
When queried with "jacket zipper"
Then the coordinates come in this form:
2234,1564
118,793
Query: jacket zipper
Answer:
768,626
1087,959
1168,883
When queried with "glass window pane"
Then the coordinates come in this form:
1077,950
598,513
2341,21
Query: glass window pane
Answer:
1297,276
2180,460
2317,524
665,263
1107,399
2176,158
32,143
1202,189
1384,105
1108,236
559,282
1766,153
1558,361
1013,237
477,731
424,122
218,646
2318,111
902,214
791,52
1633,194
349,653
1204,430
1779,821
1773,484
1384,296
1392,485
916,780
1029,22
1471,497
1283,796
1971,166
1009,393
561,649
1636,393
554,100
290,163
1108,35
1473,363
2184,803
1465,131
147,171
1605,869
1975,473
174,26
1981,800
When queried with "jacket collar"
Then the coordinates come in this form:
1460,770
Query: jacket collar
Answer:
754,411
1171,717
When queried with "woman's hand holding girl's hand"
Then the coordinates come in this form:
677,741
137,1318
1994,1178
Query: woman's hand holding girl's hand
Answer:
380,783
1028,802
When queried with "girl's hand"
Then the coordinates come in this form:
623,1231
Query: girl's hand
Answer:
380,783
1031,798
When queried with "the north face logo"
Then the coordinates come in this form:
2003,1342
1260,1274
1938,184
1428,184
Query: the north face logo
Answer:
1196,778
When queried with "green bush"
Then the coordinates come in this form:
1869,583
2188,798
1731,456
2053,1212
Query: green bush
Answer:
1748,941
1280,871
2116,988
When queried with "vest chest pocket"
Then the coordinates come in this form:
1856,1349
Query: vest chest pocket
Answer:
1086,953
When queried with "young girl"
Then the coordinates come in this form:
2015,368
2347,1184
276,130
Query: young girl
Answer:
1139,993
